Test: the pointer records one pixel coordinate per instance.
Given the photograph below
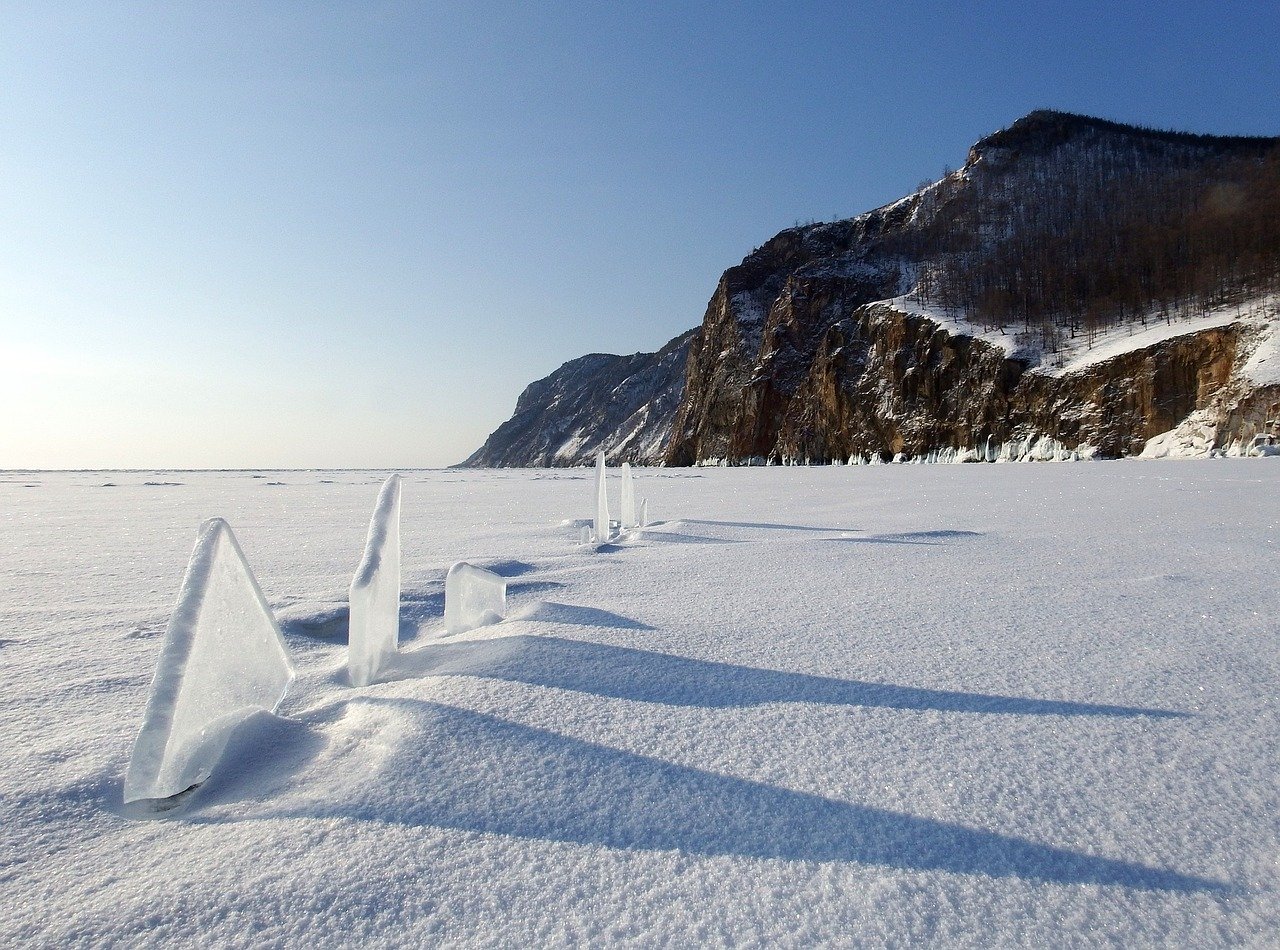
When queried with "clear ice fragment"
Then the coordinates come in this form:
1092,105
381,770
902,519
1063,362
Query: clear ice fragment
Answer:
644,513
601,525
473,597
374,625
628,514
223,658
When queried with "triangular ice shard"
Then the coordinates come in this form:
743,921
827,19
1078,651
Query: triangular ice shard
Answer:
473,597
223,657
601,525
628,514
374,626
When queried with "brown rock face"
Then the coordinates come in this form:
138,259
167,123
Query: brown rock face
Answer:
882,382
798,357
794,361
885,382
765,324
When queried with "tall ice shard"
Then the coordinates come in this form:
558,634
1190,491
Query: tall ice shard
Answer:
374,629
628,506
601,524
223,658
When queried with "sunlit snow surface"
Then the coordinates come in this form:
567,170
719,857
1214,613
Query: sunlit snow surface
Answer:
953,704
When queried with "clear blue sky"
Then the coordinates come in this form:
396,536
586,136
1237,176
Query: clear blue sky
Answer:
312,234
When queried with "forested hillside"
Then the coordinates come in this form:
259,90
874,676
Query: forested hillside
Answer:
1066,225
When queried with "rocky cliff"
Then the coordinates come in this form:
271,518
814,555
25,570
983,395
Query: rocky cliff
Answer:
819,345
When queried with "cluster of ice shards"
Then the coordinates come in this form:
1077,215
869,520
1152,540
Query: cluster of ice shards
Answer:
629,517
473,597
223,658
374,628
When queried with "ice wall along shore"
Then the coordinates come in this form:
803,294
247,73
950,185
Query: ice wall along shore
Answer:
223,658
374,626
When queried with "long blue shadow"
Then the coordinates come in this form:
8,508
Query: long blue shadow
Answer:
646,676
418,607
762,525
453,768
551,612
909,537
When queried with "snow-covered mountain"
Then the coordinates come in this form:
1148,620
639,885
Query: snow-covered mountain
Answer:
1014,300
622,404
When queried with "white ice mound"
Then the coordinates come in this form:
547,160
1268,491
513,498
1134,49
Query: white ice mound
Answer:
473,597
628,514
374,625
223,657
600,526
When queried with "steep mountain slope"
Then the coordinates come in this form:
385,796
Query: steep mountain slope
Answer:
623,404
924,325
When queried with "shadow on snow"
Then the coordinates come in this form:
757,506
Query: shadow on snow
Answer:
646,676
453,768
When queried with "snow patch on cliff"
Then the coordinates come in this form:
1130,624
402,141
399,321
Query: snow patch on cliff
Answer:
1074,355
1263,366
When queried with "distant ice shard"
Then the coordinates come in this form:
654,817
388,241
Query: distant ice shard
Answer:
473,597
644,513
223,658
374,623
628,506
601,525
584,536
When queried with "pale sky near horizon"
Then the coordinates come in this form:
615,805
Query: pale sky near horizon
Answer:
327,234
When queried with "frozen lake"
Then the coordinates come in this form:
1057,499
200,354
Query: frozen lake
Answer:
959,704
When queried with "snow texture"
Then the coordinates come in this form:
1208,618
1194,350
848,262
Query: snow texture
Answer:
473,597
223,658
887,705
1081,353
1263,366
374,626
600,527
627,515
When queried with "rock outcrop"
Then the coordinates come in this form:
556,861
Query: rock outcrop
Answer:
621,404
809,351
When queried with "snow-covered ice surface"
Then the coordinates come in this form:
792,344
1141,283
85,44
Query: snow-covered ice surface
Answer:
939,704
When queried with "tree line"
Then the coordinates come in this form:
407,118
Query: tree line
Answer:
1089,234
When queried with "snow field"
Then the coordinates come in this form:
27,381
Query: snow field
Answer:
972,705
